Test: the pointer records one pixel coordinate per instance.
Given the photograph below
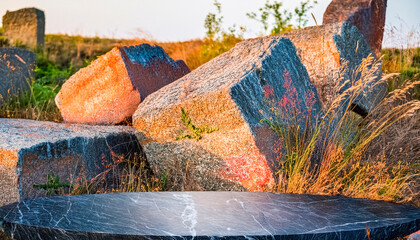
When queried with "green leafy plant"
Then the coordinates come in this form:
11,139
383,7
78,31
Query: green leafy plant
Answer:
213,22
52,184
301,12
218,40
277,20
196,132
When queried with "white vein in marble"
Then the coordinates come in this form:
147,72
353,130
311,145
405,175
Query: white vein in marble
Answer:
207,215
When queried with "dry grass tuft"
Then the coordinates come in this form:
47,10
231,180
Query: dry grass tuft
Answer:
124,174
336,158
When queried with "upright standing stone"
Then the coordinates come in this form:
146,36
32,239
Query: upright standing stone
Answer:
26,26
109,90
16,70
30,150
230,94
367,15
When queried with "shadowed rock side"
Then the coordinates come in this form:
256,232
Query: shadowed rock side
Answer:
29,150
109,90
229,93
16,70
25,26
150,68
367,15
330,53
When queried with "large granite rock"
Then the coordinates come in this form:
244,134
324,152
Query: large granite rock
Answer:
231,93
331,54
109,90
207,215
367,15
29,150
16,70
25,26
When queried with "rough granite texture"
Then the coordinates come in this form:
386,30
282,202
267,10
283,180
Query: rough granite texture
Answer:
328,49
29,150
16,70
230,92
109,90
367,15
25,26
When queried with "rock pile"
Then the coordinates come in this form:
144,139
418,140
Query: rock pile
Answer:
203,129
228,93
25,26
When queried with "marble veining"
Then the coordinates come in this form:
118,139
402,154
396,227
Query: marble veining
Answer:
206,215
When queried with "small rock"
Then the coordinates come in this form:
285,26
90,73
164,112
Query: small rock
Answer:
29,150
109,90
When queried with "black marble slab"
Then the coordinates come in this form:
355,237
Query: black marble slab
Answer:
206,215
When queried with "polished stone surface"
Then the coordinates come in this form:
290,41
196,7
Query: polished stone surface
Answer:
206,215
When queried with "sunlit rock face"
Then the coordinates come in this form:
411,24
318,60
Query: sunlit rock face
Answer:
16,70
109,90
231,93
29,150
367,15
331,54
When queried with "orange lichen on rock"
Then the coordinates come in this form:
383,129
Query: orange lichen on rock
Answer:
99,93
8,158
9,190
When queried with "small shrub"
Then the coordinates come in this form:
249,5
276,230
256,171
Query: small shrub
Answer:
277,20
124,174
52,185
196,132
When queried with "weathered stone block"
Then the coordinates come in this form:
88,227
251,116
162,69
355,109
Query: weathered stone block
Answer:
229,93
367,15
16,70
29,150
331,53
25,26
109,90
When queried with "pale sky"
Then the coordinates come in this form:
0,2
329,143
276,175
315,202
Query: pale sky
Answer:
178,20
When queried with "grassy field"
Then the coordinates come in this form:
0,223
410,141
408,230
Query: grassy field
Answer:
344,169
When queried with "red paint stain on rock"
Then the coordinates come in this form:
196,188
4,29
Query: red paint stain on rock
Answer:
251,171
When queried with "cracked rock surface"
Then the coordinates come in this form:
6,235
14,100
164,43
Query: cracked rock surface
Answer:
207,215
29,150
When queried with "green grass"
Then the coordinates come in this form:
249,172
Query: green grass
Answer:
38,103
403,61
